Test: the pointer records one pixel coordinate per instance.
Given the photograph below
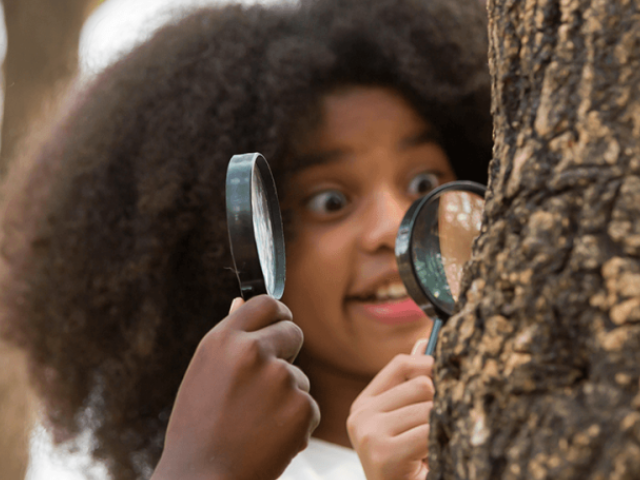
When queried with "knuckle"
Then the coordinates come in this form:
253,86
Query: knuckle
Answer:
208,343
267,305
302,380
424,410
215,338
280,374
272,308
378,451
285,312
366,438
294,331
428,361
314,419
304,416
358,430
428,408
355,407
303,406
402,361
431,389
362,407
362,432
312,408
251,353
423,384
353,425
212,344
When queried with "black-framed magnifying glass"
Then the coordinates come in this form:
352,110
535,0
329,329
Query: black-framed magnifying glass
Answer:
433,244
255,229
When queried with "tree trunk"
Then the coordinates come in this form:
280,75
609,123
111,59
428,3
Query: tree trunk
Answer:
42,55
537,375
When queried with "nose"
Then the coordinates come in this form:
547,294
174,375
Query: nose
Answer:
381,221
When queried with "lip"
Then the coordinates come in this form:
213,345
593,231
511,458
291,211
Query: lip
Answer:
368,287
400,312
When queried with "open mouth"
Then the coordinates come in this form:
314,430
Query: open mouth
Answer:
388,293
389,303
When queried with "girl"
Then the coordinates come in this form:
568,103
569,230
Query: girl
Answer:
116,242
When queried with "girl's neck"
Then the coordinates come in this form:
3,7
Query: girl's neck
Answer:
335,391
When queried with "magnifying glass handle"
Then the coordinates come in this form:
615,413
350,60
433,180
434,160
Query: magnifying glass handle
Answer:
433,338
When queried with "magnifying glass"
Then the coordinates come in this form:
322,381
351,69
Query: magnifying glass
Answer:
433,244
255,226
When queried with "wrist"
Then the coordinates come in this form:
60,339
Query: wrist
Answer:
169,470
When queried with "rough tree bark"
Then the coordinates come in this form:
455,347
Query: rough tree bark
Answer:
537,375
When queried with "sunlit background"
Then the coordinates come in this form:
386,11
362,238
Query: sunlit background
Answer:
118,25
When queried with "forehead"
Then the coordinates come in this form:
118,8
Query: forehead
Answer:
356,119
358,111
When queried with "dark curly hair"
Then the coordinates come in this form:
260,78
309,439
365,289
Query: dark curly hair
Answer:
114,238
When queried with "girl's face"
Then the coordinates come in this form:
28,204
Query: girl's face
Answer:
375,156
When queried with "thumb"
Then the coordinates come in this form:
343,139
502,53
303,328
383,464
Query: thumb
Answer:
420,347
236,304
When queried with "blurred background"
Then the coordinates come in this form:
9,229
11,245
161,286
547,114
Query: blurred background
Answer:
45,43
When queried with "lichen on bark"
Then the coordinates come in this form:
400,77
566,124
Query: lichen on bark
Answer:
537,375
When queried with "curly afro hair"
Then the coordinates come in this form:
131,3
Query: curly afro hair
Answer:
114,238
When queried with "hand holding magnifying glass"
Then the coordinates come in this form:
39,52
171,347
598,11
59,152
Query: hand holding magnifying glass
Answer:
433,244
243,367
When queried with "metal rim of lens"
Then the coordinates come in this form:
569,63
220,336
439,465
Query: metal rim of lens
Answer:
241,229
404,246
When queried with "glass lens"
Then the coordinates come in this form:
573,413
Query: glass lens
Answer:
263,230
441,240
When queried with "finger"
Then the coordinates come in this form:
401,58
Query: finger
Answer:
413,444
418,349
282,340
306,405
315,414
258,312
407,418
416,390
302,381
236,304
399,370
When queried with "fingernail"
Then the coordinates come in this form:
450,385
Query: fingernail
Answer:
235,304
420,347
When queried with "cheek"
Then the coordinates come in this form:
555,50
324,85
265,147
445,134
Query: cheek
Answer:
318,272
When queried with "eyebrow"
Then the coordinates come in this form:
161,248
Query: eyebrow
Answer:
298,162
429,135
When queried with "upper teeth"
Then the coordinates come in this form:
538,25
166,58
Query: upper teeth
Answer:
392,290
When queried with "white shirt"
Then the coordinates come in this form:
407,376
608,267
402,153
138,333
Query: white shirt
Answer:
48,462
319,461
324,461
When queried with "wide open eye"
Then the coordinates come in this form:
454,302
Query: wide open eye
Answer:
423,183
327,202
